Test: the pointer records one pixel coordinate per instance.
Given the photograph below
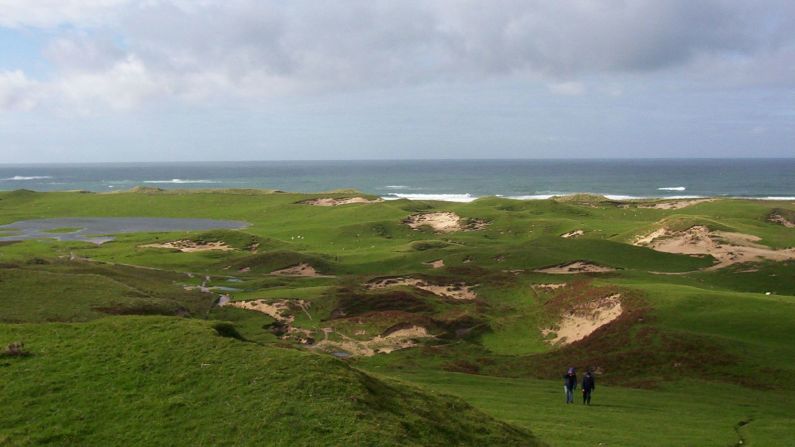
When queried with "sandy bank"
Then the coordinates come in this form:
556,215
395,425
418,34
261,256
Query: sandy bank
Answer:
726,247
457,291
582,320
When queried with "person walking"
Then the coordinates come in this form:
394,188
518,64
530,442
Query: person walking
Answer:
588,386
569,385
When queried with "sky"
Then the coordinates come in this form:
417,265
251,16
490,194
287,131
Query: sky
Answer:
204,80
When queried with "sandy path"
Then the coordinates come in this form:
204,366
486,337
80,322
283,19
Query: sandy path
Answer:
584,319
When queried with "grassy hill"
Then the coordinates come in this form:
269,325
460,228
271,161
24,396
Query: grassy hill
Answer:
699,350
171,381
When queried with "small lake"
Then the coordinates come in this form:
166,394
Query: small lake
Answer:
98,229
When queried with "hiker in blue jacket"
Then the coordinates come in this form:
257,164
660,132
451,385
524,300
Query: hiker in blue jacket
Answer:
588,385
569,385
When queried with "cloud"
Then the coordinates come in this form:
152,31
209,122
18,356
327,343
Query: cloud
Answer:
567,88
17,92
52,13
123,53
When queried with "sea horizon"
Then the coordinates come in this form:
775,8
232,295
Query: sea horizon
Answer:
458,180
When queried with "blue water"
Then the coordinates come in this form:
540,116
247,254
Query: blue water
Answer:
440,179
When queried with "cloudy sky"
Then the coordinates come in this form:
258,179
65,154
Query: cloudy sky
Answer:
162,80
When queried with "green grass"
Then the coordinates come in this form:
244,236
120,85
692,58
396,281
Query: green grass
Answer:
683,413
695,353
60,230
157,381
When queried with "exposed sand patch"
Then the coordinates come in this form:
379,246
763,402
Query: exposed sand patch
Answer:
459,291
282,312
301,269
437,264
727,248
576,267
572,234
328,201
444,222
381,344
781,220
278,310
549,287
673,204
645,240
188,246
584,319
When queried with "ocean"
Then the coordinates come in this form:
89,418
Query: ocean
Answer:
454,180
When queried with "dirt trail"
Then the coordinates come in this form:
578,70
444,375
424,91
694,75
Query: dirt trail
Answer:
584,319
457,291
328,201
576,267
572,234
188,246
727,248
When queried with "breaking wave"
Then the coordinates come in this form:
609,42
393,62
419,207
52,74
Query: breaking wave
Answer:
180,181
672,188
31,177
442,197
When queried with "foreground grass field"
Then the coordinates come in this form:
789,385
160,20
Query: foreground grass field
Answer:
328,325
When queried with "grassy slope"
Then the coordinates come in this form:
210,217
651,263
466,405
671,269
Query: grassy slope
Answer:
158,381
684,413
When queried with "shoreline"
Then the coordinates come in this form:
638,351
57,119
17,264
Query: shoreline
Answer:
441,197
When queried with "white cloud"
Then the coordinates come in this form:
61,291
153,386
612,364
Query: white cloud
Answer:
52,13
567,88
123,85
121,53
17,92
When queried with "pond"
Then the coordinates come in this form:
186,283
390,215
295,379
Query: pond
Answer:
98,229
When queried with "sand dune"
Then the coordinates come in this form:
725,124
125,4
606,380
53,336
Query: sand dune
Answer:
458,291
727,248
584,319
443,222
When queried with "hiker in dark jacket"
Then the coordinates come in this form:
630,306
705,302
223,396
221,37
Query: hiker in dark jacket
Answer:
569,385
588,385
